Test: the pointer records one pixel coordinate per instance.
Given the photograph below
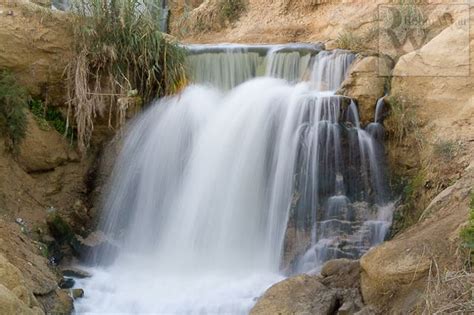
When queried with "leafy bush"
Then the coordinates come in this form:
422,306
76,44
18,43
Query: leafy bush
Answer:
119,48
50,117
13,102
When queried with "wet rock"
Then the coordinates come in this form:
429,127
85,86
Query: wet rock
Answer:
77,293
366,83
75,272
302,294
96,248
66,283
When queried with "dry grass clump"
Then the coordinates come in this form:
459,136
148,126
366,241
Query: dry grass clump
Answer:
211,15
120,50
403,120
449,293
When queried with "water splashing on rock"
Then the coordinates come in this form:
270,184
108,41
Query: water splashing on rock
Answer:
256,171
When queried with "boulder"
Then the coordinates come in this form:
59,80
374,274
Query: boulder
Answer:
75,272
11,304
302,294
43,149
341,273
10,276
66,283
392,267
58,302
13,291
77,293
365,83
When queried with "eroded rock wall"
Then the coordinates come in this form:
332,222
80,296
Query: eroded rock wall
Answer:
35,46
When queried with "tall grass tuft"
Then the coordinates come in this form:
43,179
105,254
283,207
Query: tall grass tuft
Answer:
119,51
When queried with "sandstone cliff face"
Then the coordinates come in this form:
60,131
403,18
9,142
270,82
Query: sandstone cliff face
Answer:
35,45
27,284
432,139
366,85
438,90
280,21
44,149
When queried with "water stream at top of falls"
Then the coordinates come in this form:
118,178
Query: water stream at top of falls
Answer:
255,172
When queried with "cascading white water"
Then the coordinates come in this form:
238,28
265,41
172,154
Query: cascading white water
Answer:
209,181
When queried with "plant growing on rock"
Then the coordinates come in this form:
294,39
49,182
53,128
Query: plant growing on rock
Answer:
467,233
404,119
232,9
446,149
119,48
50,117
13,103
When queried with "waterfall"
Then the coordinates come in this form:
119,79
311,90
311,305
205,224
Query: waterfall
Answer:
213,183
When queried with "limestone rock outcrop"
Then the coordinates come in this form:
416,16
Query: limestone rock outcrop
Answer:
438,98
15,297
35,45
365,83
11,304
43,149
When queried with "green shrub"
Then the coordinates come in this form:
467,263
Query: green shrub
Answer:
50,117
467,233
119,47
13,102
409,212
